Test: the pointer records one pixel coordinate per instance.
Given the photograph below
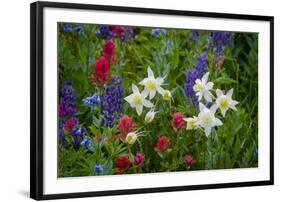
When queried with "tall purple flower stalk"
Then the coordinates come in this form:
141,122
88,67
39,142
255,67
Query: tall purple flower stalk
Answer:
219,40
196,73
111,102
66,101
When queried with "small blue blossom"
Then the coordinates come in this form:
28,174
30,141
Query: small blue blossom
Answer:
92,101
67,28
98,168
78,135
158,32
219,40
79,29
86,143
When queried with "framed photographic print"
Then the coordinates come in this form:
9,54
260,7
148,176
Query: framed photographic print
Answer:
134,100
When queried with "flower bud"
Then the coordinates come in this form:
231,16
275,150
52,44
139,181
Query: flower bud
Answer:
131,138
149,116
166,95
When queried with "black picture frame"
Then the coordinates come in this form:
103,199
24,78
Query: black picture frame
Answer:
37,99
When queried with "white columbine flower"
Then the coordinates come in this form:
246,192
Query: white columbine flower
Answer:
151,84
137,100
224,102
191,123
207,119
150,116
202,88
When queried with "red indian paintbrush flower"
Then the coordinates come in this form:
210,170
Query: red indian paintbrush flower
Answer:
178,122
188,159
126,124
109,51
139,159
122,163
117,30
69,124
162,144
102,70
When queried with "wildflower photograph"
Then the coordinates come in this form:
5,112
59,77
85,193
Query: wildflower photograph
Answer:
136,100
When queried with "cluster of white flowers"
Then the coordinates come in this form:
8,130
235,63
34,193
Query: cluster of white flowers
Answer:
152,86
206,118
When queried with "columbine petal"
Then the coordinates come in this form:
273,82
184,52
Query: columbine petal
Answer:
208,96
144,93
208,131
152,94
135,89
210,85
218,122
219,93
205,78
229,93
160,89
201,106
147,103
160,80
150,73
139,109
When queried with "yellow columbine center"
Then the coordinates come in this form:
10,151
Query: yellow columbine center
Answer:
150,85
137,100
198,87
206,119
224,103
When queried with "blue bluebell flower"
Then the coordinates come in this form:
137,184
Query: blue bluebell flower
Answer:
92,101
111,102
86,143
158,32
98,168
196,73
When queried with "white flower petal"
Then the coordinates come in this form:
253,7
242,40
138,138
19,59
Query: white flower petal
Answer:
218,122
160,89
160,80
229,93
208,96
205,78
135,89
150,73
147,103
214,108
223,111
201,106
219,92
144,93
139,109
208,130
209,85
152,94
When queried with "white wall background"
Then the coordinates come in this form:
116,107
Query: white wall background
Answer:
14,100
